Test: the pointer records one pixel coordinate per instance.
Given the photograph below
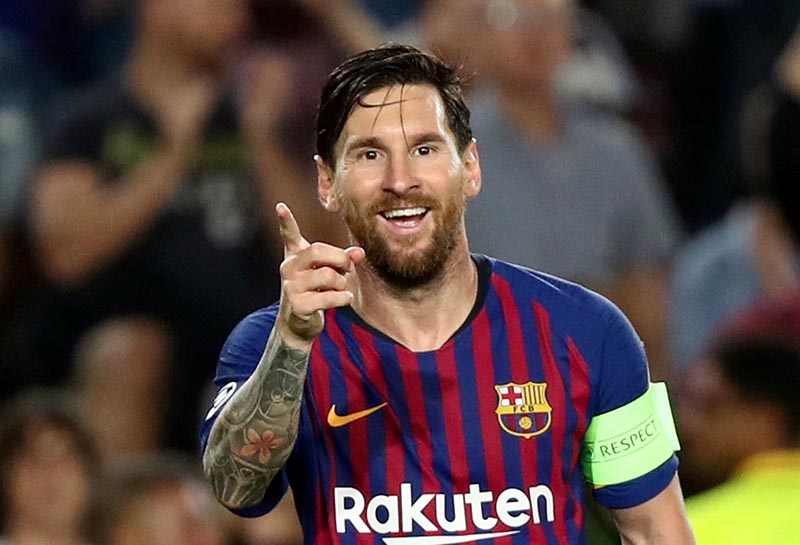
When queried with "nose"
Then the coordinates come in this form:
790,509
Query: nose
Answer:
400,178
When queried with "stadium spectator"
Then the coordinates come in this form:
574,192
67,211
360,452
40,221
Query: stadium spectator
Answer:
581,196
739,418
157,499
139,409
753,251
306,39
148,205
47,464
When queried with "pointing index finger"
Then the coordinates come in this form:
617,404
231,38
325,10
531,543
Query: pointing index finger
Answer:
290,232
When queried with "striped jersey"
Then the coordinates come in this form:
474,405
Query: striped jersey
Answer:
478,440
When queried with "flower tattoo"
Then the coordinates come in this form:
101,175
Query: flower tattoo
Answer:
261,444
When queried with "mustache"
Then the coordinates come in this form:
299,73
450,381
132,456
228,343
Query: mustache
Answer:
390,202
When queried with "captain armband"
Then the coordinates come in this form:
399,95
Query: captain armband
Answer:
630,441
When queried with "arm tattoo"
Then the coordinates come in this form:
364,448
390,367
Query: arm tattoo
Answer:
256,431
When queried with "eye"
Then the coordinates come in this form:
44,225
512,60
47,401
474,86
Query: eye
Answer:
370,155
424,150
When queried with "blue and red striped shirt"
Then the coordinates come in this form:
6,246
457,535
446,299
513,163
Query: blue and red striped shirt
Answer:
478,440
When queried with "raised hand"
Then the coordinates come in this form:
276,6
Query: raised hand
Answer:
314,277
183,115
265,93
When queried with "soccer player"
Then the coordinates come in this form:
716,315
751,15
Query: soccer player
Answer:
413,393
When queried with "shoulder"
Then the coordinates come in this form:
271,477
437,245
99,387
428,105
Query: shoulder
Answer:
718,247
247,341
595,326
562,298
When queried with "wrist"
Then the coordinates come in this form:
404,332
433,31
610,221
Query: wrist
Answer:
296,335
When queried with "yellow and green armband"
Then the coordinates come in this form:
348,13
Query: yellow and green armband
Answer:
630,441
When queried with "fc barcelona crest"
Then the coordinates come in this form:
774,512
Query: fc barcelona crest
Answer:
522,409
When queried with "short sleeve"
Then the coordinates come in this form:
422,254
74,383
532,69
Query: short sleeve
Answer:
238,360
623,378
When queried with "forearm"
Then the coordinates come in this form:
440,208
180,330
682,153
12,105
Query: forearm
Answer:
82,223
256,431
659,521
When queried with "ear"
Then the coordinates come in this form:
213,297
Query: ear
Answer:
472,165
325,189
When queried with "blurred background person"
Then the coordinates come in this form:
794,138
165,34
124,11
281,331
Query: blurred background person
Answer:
156,499
753,252
298,42
739,420
134,420
47,465
570,188
685,66
152,214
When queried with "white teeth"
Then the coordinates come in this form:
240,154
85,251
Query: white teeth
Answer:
404,212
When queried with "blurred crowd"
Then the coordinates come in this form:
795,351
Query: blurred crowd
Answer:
647,150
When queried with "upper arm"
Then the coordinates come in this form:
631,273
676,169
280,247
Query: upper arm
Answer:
238,360
660,520
621,378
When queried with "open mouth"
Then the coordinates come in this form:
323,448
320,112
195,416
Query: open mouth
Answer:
405,217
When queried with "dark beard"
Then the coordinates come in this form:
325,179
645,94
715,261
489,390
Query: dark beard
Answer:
398,269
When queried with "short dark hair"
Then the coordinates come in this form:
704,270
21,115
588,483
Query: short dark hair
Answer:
766,369
386,66
130,482
40,407
784,149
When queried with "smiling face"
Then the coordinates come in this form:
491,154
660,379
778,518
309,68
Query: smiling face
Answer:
401,184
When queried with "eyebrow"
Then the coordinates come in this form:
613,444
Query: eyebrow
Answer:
421,138
375,142
364,142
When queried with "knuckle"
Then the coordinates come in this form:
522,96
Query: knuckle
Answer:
317,248
329,276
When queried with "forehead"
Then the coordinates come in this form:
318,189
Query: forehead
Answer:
398,109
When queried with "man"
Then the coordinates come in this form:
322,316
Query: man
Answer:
583,196
48,462
148,220
403,386
740,419
156,499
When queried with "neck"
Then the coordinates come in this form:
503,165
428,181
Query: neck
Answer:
535,111
425,317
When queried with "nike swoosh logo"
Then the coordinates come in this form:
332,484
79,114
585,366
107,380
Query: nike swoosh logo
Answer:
335,420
